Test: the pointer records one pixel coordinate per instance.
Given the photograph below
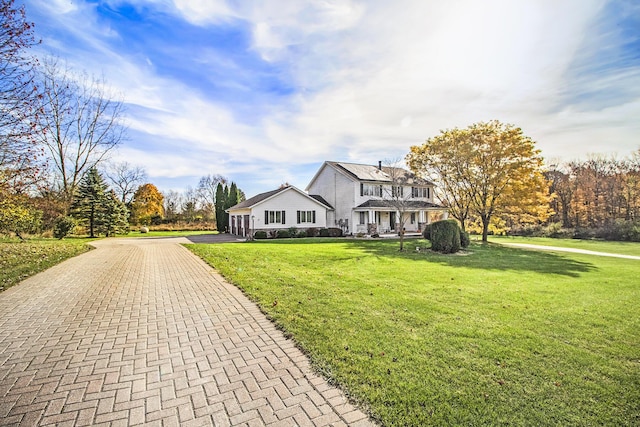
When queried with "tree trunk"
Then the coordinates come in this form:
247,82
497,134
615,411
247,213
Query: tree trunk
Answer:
91,222
485,228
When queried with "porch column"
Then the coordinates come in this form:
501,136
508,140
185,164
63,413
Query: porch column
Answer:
445,215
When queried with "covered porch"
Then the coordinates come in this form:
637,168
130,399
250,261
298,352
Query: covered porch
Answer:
387,219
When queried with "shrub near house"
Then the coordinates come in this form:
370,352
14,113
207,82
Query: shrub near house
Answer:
446,236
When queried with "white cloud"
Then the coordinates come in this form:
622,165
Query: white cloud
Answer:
373,78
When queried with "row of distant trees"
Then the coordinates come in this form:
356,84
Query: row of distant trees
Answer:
205,203
597,194
203,206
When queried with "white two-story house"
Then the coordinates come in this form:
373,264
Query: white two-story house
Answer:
354,197
370,199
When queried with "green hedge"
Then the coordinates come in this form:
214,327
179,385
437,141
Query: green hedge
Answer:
282,234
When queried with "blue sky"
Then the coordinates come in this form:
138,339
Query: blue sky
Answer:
264,92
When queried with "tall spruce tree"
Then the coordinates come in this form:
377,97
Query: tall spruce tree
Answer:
115,216
220,206
89,201
233,195
97,208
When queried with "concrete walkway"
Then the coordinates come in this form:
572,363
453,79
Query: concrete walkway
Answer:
141,331
572,250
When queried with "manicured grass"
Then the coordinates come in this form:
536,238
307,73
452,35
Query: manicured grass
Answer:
498,336
21,259
623,248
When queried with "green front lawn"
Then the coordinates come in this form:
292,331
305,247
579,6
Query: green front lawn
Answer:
21,259
497,336
623,248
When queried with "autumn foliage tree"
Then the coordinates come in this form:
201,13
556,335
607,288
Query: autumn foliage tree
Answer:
598,196
488,170
147,205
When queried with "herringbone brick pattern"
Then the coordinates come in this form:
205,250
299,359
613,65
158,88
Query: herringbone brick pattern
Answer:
143,332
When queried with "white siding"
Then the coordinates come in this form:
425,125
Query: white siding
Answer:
338,190
289,201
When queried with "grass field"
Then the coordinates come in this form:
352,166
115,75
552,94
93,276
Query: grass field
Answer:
623,248
21,259
496,336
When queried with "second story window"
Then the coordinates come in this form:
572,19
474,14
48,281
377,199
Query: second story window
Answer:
370,190
421,192
397,191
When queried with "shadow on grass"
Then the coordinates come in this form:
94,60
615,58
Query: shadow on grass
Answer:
483,256
480,256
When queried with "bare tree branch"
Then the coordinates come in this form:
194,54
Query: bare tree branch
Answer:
81,122
126,178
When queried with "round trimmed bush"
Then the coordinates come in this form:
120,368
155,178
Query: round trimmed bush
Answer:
335,232
282,234
260,234
445,236
324,232
301,233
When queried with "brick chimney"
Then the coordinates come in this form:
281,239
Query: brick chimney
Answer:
379,165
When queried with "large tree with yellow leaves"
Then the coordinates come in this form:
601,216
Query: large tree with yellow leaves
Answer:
147,205
486,170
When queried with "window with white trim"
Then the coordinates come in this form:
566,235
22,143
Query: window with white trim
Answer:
370,189
274,217
306,217
421,192
362,218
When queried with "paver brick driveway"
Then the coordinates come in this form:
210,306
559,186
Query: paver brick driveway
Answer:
141,331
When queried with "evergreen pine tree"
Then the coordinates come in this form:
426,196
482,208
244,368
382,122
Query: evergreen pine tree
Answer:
88,205
220,206
115,216
226,205
233,195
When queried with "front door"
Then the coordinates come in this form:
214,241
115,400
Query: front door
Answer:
392,220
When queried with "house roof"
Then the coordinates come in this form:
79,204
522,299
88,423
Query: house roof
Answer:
361,172
259,198
410,204
321,200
